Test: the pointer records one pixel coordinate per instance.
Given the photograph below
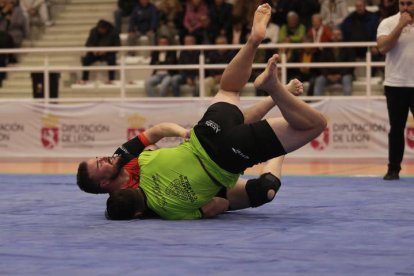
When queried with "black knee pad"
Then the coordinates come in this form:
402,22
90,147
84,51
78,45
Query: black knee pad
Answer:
257,189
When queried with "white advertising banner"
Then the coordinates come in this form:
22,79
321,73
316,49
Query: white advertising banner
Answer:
356,128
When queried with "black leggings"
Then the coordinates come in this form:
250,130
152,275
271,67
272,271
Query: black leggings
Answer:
231,143
399,101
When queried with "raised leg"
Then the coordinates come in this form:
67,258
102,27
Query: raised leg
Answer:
300,123
238,71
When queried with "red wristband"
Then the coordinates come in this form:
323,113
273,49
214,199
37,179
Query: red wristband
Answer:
144,139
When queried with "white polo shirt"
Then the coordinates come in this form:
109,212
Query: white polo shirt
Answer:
399,61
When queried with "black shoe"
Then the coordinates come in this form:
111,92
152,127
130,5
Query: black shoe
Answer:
392,175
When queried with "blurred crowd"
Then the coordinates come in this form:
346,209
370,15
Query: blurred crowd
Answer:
16,19
195,22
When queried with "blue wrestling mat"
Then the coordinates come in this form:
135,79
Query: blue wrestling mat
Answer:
315,226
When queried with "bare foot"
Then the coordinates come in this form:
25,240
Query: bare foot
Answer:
268,80
295,87
260,20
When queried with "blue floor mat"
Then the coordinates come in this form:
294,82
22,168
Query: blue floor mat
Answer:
316,226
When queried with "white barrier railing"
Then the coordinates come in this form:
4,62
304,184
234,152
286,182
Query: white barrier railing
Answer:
46,68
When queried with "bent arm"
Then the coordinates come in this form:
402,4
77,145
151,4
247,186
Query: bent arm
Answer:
214,207
387,42
161,130
136,145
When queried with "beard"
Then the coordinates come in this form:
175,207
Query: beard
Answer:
119,165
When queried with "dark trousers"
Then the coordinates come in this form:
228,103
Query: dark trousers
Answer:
399,101
90,58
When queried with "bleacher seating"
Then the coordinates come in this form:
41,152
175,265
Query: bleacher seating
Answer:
73,20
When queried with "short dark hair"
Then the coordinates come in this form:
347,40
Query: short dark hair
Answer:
124,204
86,183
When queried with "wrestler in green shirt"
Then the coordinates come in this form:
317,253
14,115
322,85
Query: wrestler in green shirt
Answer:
171,189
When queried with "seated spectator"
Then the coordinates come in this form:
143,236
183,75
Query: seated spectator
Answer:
361,25
171,23
13,22
292,32
304,73
161,77
238,33
33,8
143,24
305,10
125,8
195,18
220,19
245,9
333,75
188,77
318,33
213,76
333,12
6,41
102,35
280,9
387,8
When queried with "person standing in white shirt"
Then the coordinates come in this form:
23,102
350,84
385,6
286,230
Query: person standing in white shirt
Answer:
395,38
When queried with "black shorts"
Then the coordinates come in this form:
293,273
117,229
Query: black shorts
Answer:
232,144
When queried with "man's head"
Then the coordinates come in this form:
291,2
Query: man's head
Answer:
189,40
143,3
360,6
292,19
316,21
103,26
163,41
100,175
125,204
336,35
407,6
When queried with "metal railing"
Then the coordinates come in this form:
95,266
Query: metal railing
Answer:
122,67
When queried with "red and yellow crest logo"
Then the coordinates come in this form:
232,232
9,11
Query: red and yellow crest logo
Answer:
50,132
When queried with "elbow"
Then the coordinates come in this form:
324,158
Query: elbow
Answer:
383,50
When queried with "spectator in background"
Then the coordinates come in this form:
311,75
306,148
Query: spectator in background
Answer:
395,38
13,23
188,77
32,8
143,24
333,12
195,19
6,41
331,75
361,25
239,31
319,32
102,35
161,77
220,15
280,9
304,73
125,8
245,9
213,76
292,32
386,8
171,22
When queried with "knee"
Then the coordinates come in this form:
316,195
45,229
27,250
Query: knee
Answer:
263,189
